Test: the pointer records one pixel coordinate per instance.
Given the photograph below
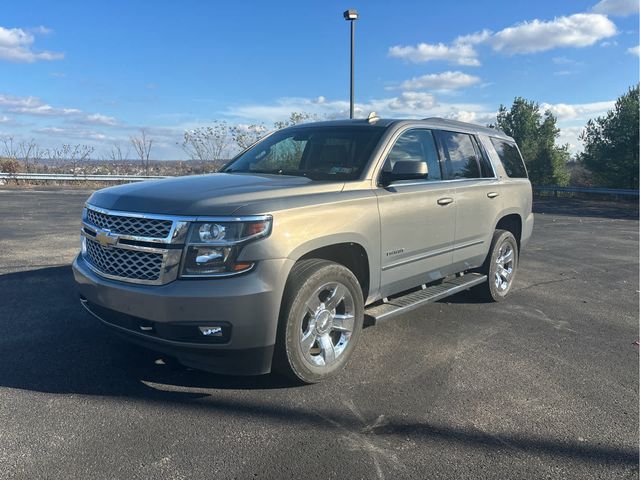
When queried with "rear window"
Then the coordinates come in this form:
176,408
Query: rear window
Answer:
510,158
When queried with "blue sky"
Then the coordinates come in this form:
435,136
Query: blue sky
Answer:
96,72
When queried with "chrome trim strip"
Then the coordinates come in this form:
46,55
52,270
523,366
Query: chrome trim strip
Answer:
183,218
435,182
220,275
430,254
125,246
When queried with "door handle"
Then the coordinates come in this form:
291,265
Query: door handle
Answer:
492,194
445,201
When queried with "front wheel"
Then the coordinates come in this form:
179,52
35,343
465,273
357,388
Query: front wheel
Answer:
321,320
500,267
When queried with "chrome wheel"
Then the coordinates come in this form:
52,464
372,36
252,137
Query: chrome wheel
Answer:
328,324
504,267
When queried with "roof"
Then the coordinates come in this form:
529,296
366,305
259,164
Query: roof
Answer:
431,122
381,122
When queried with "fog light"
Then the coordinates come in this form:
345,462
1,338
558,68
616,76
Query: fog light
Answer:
211,331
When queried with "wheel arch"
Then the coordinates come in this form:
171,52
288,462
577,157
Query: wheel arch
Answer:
352,256
512,222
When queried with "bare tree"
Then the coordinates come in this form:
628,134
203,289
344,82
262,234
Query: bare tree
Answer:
26,151
294,119
142,145
69,155
244,136
116,156
208,143
9,148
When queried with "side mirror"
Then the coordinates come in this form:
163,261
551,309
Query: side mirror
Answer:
406,170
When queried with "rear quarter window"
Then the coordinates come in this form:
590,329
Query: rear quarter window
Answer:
510,158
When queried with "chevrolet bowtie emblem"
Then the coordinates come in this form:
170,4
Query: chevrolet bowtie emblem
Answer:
106,238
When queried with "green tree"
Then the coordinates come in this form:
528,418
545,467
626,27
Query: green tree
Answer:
611,143
536,135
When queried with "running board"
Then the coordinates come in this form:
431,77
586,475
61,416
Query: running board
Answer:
410,301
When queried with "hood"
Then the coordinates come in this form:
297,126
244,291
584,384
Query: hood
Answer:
215,194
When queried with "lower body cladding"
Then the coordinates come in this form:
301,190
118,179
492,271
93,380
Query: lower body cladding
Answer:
221,325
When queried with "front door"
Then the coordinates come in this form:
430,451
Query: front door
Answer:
417,218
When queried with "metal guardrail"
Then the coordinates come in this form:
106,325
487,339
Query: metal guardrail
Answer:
68,177
615,192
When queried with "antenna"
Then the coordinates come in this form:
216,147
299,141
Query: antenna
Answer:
373,117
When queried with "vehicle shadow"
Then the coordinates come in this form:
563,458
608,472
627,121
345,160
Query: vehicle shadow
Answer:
49,343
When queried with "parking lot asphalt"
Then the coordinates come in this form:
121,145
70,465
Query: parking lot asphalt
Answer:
543,385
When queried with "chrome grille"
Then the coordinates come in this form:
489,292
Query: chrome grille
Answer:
127,264
132,226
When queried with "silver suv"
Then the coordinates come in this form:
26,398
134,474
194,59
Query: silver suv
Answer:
277,261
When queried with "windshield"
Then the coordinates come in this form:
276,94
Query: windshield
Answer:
320,153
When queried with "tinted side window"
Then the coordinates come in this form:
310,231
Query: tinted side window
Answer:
485,164
416,146
510,158
461,158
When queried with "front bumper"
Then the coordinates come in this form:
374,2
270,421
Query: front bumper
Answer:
157,317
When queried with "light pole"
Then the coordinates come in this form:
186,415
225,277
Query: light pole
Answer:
351,15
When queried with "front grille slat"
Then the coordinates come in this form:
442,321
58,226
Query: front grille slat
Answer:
128,264
133,226
140,258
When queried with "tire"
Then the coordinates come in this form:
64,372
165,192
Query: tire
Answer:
320,321
500,267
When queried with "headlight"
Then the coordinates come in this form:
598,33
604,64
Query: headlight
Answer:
213,247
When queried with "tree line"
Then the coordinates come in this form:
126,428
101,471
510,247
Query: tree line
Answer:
611,144
609,158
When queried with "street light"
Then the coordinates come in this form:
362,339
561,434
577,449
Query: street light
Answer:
351,15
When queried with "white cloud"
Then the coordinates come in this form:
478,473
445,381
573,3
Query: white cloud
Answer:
634,50
569,136
566,111
35,107
573,117
565,61
444,81
44,110
99,119
460,52
406,105
16,46
72,133
408,102
620,8
579,30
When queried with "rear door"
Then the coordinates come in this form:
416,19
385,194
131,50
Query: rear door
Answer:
417,217
477,193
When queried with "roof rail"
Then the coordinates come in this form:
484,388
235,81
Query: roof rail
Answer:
458,123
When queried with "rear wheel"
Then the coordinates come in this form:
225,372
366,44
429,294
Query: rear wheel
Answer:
500,267
321,321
